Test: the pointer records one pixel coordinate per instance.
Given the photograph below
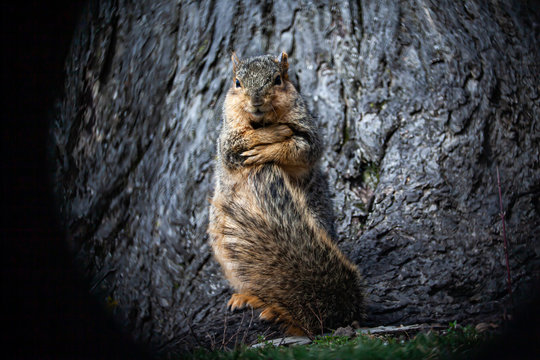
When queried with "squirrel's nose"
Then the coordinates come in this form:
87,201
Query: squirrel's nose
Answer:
256,101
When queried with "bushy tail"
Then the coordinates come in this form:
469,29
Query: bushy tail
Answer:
285,257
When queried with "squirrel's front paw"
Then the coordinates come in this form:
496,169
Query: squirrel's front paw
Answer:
258,155
254,156
281,130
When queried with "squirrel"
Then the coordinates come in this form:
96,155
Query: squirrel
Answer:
271,221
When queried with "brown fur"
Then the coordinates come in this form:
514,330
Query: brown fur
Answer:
271,221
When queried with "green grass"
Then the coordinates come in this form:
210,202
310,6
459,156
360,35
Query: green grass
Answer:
454,342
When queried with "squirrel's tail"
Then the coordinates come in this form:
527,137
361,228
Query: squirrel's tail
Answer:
285,258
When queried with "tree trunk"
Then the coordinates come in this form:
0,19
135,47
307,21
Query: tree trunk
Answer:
419,103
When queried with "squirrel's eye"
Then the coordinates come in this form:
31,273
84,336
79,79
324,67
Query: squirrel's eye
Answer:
277,81
238,83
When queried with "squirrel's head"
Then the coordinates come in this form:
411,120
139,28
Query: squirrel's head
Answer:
259,80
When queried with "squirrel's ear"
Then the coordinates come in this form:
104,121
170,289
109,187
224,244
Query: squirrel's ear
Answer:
284,64
235,62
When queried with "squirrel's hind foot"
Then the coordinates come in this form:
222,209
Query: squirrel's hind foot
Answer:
239,301
272,312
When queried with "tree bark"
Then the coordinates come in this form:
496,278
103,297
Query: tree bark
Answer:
419,103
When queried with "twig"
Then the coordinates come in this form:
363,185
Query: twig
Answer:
235,335
395,330
224,332
508,279
189,319
212,338
249,327
264,334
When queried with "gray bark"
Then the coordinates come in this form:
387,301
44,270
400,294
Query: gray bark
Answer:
418,103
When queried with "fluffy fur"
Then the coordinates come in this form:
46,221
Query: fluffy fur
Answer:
271,220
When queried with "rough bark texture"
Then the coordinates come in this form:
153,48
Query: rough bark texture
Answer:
418,101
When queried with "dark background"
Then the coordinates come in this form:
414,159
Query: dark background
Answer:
47,312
